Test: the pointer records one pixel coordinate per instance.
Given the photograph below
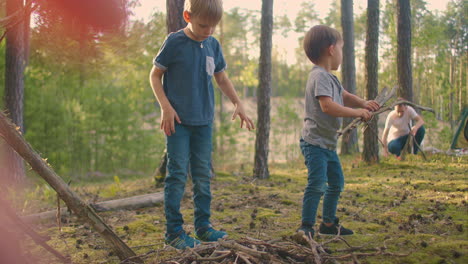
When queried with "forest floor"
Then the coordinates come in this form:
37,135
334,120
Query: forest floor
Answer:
412,207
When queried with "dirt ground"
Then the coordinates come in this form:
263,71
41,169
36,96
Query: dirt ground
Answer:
414,207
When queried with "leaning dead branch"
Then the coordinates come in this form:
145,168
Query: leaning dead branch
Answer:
82,209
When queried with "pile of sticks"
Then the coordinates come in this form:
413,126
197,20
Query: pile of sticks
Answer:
297,250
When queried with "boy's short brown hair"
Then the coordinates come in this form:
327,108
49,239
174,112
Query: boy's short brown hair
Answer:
212,10
319,38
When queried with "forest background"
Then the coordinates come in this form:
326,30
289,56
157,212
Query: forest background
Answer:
90,111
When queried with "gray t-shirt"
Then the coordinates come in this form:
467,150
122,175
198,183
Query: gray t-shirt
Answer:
320,129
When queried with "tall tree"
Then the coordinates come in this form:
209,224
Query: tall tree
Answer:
264,92
17,39
174,18
174,22
405,76
348,70
371,143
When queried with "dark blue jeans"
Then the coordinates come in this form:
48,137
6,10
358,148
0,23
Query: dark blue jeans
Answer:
396,146
188,146
325,176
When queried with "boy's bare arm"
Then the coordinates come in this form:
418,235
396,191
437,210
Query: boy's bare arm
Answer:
352,100
228,89
329,107
168,114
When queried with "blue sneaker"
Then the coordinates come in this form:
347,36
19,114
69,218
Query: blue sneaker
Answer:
306,230
209,234
181,240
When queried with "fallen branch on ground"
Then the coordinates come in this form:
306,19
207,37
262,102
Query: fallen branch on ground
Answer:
130,203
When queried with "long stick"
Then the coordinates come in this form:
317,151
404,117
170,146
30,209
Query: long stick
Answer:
14,138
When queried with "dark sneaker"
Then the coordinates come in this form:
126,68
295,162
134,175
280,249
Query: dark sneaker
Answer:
335,229
209,234
307,231
181,240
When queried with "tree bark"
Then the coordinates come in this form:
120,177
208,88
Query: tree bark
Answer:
451,91
405,77
348,70
15,62
74,202
371,139
264,93
174,22
174,18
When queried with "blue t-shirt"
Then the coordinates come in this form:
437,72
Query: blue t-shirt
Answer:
190,66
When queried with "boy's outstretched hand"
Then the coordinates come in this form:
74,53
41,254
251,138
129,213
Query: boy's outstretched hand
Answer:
371,105
239,111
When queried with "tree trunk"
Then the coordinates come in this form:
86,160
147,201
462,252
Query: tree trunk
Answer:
405,77
371,140
348,70
15,62
73,201
264,93
452,88
220,146
174,22
462,84
174,18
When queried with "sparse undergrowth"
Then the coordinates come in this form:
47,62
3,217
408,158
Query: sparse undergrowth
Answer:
414,206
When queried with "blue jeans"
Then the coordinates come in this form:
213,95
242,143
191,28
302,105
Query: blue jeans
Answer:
188,146
325,176
396,146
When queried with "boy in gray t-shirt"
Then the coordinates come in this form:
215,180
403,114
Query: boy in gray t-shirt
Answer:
326,103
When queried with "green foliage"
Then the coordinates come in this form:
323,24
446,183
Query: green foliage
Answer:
89,108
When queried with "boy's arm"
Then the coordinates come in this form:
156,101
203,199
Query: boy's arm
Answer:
329,107
352,100
168,114
228,89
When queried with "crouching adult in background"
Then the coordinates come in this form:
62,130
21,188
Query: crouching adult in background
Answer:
398,128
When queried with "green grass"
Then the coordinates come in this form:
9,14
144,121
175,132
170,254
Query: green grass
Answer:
414,206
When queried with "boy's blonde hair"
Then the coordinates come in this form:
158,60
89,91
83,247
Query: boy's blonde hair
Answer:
212,10
318,39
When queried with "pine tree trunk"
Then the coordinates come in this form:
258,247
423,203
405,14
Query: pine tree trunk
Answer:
174,18
174,22
15,63
371,141
405,77
264,93
350,143
452,88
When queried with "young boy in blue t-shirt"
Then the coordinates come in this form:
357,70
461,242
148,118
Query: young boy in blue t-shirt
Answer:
326,103
181,80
